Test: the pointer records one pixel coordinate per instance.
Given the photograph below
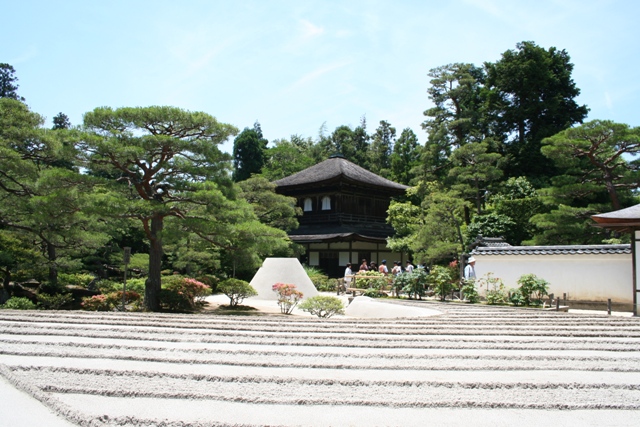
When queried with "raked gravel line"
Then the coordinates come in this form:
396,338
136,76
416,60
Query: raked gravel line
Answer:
469,366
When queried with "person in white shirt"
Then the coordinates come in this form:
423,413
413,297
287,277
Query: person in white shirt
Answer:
409,267
396,268
347,276
383,267
470,269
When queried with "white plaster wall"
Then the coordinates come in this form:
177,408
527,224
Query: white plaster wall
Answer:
583,277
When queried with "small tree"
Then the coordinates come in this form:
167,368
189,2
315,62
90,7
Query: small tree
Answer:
237,290
322,306
288,296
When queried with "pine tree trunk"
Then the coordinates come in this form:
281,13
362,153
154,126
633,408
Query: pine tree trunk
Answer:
53,269
152,285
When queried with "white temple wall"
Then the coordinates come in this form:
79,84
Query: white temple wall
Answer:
583,277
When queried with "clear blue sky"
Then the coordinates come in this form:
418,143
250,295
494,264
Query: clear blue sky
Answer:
294,65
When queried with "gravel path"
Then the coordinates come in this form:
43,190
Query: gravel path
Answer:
469,366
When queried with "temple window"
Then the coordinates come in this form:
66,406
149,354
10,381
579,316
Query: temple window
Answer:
326,203
307,205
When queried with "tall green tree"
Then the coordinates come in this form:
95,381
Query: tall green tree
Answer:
595,159
406,219
531,96
15,252
9,82
248,153
434,231
323,147
343,141
517,200
271,208
456,117
164,163
61,121
567,225
405,157
286,158
361,143
474,170
382,143
456,93
442,237
39,198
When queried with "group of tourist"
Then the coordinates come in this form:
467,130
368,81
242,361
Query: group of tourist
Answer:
469,270
364,266
397,268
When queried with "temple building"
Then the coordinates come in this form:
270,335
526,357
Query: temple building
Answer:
344,211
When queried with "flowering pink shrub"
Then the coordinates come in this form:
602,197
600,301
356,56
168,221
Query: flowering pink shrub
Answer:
182,293
288,296
110,301
96,303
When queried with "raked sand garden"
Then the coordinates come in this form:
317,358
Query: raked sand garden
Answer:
455,365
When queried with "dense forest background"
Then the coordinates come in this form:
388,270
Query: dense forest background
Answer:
505,152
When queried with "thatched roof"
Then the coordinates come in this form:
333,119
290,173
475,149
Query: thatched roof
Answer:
338,167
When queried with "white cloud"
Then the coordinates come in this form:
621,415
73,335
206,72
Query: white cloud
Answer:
315,74
608,101
309,30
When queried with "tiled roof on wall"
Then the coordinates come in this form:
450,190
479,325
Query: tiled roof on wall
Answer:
553,250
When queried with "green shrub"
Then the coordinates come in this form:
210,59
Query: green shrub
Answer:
135,285
516,298
80,280
413,284
53,302
374,293
52,288
532,288
19,303
442,281
108,286
400,283
237,290
371,280
105,286
326,285
315,274
470,292
322,306
321,281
